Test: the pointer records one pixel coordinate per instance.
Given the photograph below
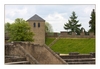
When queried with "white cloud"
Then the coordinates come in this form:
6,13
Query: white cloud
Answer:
14,11
8,20
19,11
56,15
88,9
56,20
11,14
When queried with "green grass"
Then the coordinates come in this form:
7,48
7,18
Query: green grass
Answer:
49,40
82,45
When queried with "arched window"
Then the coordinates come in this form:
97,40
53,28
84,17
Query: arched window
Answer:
34,24
38,24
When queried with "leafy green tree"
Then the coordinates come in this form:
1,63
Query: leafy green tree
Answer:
48,28
72,24
92,22
7,25
20,31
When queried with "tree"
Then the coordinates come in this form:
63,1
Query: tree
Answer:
92,22
84,31
48,28
20,31
72,24
7,25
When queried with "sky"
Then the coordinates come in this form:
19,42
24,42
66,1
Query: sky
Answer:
55,14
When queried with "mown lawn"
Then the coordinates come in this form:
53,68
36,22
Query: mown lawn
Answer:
65,46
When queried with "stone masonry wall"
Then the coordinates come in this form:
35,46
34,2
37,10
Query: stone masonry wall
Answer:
39,32
42,54
64,34
18,50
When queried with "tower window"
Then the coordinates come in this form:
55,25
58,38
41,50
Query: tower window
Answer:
38,24
34,24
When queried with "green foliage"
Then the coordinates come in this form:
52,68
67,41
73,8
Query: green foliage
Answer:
7,25
20,31
48,28
72,25
92,22
81,45
49,40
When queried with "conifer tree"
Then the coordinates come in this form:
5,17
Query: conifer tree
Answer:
72,24
92,22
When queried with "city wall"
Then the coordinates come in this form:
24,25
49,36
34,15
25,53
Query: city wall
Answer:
64,34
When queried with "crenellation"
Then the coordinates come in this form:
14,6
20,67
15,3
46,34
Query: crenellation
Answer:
64,34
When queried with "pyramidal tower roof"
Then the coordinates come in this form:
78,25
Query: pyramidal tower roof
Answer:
36,17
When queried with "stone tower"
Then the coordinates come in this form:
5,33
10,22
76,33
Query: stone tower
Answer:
37,25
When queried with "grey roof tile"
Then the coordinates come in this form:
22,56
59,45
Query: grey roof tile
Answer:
36,17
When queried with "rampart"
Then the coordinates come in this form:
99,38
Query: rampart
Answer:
64,34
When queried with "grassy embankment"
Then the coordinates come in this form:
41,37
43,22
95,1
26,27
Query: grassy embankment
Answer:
65,46
49,40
